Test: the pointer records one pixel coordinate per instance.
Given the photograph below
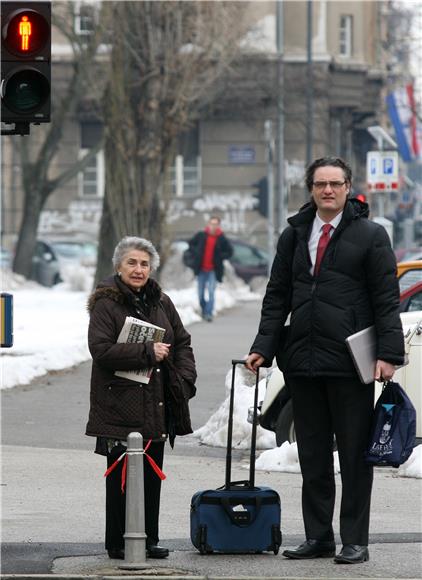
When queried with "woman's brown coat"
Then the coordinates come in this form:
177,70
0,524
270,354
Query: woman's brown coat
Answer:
119,406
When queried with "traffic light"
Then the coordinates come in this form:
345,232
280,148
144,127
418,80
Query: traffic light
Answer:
262,196
25,62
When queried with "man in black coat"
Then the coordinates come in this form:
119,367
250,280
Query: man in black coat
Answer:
209,248
335,272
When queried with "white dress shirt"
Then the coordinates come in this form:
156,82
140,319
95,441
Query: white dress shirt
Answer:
316,234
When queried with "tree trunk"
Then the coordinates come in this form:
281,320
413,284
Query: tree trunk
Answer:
32,207
107,243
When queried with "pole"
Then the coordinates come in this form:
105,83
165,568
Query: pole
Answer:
309,87
135,552
270,181
381,193
282,201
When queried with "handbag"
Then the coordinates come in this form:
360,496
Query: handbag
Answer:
189,258
393,431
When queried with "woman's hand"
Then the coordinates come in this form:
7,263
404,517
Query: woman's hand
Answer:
161,350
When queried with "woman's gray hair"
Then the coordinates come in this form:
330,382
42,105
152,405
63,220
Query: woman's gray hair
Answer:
129,243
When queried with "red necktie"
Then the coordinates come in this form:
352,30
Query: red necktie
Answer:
322,245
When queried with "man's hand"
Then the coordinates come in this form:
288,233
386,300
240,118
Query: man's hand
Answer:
161,350
384,371
253,361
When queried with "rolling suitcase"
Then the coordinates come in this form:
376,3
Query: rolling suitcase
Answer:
239,517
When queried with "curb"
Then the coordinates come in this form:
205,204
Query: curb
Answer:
173,577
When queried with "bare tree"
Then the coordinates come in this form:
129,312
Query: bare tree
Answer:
37,161
165,61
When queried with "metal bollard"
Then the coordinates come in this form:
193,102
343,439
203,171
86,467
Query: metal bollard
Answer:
135,550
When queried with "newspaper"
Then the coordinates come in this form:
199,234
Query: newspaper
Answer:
136,330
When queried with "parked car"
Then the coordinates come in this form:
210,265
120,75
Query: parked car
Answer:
411,298
54,259
408,376
81,252
409,273
45,265
5,258
248,260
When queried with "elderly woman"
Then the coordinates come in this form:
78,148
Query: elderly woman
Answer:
158,410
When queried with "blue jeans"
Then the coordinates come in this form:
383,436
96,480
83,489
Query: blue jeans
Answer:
207,282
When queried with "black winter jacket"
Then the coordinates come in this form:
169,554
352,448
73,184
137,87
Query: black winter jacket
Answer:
223,251
118,406
355,288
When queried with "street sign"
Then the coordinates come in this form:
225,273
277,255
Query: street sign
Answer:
382,171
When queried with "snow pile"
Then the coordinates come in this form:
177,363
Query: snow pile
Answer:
285,458
49,332
214,432
413,466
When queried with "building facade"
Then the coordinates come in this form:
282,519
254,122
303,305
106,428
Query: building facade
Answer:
325,72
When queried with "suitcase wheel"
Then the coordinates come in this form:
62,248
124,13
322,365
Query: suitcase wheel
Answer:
202,544
277,539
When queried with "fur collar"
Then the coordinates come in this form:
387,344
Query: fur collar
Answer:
114,289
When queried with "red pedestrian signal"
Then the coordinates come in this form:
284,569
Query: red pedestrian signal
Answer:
26,62
25,31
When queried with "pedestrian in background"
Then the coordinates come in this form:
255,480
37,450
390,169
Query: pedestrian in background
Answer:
208,250
335,272
158,410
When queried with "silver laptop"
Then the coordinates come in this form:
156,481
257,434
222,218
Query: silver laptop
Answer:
363,349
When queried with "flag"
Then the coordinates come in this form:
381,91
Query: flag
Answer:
402,110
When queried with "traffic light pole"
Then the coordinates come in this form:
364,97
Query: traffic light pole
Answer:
282,201
270,179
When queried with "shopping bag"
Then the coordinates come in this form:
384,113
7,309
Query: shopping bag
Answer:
393,430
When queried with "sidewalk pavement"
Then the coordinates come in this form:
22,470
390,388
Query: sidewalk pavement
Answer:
57,496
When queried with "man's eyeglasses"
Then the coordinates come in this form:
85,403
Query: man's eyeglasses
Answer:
334,185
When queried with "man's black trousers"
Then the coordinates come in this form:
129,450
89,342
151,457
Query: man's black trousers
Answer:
116,500
322,407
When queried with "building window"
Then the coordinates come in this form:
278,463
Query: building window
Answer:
346,36
186,178
91,179
84,18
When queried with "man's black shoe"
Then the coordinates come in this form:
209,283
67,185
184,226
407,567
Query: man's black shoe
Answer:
154,551
352,554
312,549
116,554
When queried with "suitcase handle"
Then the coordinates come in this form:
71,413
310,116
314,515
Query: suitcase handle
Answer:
230,429
244,518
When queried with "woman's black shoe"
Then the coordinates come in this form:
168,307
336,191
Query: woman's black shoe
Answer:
154,551
116,554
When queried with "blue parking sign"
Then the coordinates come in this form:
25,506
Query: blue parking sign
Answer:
388,166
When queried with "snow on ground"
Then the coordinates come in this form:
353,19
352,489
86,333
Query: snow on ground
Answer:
50,328
50,324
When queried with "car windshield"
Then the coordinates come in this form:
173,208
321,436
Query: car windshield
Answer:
75,250
409,278
247,255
